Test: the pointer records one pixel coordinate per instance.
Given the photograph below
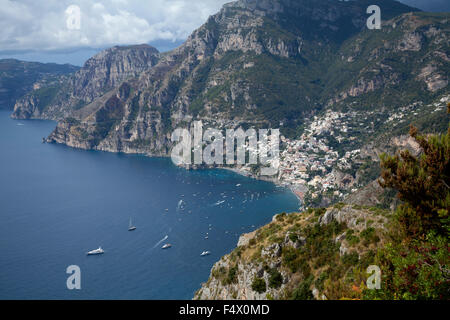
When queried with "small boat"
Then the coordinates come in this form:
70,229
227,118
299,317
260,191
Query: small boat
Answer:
131,227
166,246
96,252
205,253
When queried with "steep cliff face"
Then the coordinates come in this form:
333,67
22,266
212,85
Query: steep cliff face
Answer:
411,54
260,64
100,74
19,77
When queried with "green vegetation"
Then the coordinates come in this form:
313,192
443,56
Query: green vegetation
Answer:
369,236
18,77
259,285
415,263
45,96
303,292
352,238
275,279
231,276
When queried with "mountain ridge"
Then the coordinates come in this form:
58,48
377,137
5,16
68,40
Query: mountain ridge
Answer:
19,77
228,65
100,74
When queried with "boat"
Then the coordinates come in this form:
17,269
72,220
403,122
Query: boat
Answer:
96,252
131,227
205,253
166,246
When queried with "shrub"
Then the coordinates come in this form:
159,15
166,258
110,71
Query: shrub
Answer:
303,292
275,279
231,276
350,259
290,256
259,285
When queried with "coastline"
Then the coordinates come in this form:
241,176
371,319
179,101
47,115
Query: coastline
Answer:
299,194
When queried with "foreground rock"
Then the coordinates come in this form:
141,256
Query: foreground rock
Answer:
300,256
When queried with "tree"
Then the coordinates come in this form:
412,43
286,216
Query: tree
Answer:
422,183
415,264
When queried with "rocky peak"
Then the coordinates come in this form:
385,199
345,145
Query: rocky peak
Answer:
111,67
99,75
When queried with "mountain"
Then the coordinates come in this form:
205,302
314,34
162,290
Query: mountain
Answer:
339,92
100,74
271,64
18,77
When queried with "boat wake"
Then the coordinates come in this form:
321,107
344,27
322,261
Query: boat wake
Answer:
218,203
160,241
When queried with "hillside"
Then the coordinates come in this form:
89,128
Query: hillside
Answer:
246,68
18,78
263,63
318,254
332,253
107,70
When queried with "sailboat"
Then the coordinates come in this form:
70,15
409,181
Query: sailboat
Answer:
131,227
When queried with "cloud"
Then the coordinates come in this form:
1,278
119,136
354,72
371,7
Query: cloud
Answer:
42,25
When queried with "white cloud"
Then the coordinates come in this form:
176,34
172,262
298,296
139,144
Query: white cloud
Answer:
42,25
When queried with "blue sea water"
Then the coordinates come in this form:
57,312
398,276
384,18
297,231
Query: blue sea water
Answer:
57,203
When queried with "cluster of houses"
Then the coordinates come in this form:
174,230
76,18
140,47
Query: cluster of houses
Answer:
308,164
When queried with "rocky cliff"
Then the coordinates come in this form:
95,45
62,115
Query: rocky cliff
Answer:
107,70
318,254
17,78
268,64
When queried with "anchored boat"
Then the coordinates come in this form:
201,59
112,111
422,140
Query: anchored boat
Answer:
96,252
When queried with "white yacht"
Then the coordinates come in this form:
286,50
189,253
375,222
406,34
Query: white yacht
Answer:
166,246
205,253
96,252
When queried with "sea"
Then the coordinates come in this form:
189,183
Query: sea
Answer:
57,203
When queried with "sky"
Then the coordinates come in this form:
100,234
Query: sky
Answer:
54,30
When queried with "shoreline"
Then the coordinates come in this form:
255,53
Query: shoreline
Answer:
299,194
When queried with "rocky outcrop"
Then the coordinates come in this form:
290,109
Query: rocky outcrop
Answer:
100,74
279,260
241,288
353,217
